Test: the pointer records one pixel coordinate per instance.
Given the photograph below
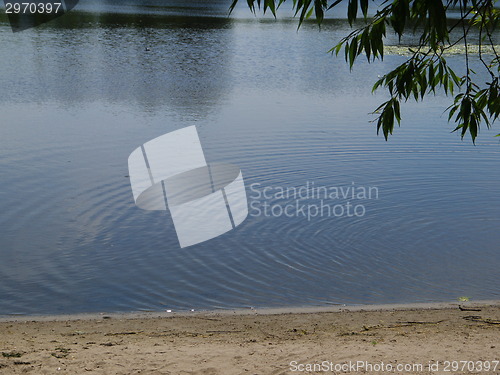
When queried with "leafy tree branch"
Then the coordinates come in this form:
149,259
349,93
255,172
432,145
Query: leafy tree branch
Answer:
475,103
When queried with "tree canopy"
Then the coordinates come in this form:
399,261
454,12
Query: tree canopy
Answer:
474,104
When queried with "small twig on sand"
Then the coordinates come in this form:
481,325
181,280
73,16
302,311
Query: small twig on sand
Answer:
122,333
477,318
468,308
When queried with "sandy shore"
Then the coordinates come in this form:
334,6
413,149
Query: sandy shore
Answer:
416,339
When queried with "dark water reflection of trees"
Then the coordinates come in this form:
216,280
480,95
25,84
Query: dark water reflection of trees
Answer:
153,61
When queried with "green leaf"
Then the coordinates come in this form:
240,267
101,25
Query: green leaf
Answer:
334,4
353,52
397,111
365,38
318,6
352,11
364,7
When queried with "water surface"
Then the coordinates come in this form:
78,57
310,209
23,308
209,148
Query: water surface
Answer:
81,93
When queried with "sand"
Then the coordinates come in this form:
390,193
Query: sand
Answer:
373,340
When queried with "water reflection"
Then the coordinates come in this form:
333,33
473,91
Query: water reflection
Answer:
150,61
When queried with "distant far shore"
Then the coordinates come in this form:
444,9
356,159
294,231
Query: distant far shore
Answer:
453,338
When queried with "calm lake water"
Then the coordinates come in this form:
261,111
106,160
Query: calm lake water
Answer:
81,93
